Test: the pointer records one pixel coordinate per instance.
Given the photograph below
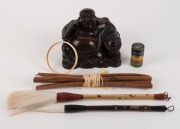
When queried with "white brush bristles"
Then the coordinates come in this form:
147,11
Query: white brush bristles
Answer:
21,101
53,108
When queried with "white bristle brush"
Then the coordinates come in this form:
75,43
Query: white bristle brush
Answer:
21,101
55,108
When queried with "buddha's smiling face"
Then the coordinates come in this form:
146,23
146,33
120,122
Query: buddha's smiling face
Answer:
88,19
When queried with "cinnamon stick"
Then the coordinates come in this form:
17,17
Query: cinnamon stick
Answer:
110,80
105,84
79,78
112,74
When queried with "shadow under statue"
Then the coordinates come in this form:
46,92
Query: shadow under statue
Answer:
96,40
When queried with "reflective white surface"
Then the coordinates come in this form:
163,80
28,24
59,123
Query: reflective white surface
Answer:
28,28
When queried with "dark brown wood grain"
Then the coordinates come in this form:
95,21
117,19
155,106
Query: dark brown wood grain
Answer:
95,39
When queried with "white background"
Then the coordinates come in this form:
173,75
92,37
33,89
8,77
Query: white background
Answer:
28,28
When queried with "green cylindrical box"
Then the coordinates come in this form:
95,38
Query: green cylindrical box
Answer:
137,54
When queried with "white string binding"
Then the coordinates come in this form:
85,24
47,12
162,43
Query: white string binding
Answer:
94,80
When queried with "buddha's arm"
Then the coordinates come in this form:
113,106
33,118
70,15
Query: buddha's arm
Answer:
68,30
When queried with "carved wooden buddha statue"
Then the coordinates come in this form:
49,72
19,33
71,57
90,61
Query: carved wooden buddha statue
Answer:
96,40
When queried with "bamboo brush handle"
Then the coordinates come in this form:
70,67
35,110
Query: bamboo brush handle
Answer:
119,96
161,96
65,96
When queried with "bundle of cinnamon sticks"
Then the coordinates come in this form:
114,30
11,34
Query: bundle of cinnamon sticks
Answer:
53,80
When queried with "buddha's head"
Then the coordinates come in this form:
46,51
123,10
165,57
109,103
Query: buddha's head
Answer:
87,18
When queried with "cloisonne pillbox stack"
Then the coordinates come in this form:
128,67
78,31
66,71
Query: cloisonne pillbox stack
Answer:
137,54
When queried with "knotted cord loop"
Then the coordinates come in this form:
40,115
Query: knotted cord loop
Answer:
167,98
171,108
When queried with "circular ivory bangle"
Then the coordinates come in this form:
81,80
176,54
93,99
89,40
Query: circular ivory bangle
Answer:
75,52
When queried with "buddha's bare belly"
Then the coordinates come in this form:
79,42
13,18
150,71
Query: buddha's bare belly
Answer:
85,44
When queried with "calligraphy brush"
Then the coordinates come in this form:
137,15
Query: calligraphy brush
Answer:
81,108
29,100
